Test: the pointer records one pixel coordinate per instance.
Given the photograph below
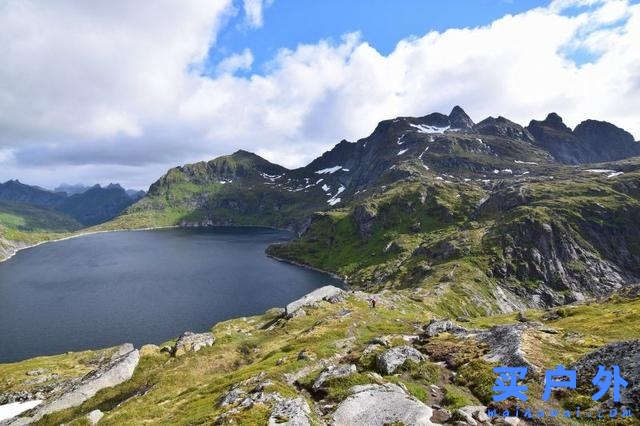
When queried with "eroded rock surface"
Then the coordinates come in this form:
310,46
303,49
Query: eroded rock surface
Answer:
380,405
388,361
118,369
290,412
192,342
322,293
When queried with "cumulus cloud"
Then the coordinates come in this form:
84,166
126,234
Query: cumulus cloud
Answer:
235,62
116,89
253,10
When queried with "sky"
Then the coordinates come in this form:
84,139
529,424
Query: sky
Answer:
121,91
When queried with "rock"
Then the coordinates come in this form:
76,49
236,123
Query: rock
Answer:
380,405
441,415
473,414
290,412
625,355
505,343
94,416
388,361
118,369
192,342
148,350
332,372
317,295
436,327
508,421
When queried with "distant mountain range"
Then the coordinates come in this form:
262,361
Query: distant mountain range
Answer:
86,205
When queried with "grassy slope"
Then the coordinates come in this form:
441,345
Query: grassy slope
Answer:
29,225
186,390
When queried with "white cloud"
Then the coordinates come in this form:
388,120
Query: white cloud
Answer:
111,88
254,10
233,63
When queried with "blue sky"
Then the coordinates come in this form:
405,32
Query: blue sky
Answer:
382,23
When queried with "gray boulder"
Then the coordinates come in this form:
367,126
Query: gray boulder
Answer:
332,372
192,342
95,416
290,412
322,293
118,369
378,405
436,327
388,361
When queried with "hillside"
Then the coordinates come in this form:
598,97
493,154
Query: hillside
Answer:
332,364
22,225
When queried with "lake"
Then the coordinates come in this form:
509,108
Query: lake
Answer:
141,287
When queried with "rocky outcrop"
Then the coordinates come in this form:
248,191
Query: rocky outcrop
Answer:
459,119
591,142
322,293
379,405
503,128
625,355
388,361
290,412
192,342
436,327
505,344
333,372
118,369
606,141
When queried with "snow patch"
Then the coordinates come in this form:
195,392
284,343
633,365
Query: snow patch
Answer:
614,174
526,162
329,170
402,152
429,129
600,171
325,187
335,199
507,171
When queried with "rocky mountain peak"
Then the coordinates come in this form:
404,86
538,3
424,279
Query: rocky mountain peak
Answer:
555,121
459,119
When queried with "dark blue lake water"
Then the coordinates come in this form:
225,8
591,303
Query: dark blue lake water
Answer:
140,287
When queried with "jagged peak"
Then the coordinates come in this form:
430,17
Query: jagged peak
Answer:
460,119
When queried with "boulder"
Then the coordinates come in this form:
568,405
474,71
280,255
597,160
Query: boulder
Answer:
192,342
95,416
332,372
317,295
473,414
436,326
381,405
388,361
290,412
118,369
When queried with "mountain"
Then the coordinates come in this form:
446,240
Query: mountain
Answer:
483,212
89,206
468,236
17,192
71,189
590,142
96,204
